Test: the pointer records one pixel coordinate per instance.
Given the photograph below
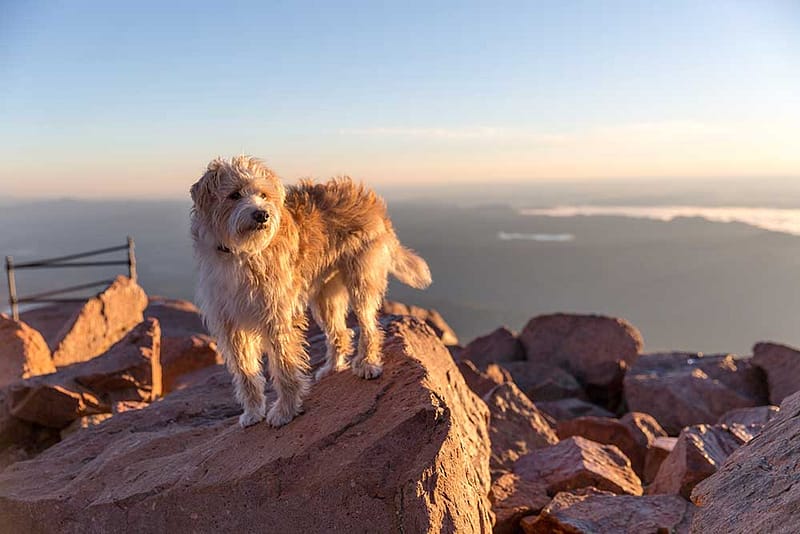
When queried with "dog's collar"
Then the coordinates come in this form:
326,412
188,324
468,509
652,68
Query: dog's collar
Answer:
223,249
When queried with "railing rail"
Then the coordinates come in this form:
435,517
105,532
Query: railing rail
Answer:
63,262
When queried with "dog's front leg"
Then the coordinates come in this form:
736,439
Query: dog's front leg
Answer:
242,354
288,369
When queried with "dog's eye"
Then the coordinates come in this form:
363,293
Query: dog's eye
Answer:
263,195
235,195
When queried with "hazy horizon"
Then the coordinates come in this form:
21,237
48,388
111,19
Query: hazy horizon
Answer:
687,283
716,191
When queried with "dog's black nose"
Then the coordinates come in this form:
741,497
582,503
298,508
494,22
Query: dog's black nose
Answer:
260,216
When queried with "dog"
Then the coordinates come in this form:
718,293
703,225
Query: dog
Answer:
266,253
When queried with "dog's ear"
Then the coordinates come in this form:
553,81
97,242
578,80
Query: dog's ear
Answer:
203,190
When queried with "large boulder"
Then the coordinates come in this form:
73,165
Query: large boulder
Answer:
185,343
51,320
757,416
430,317
632,434
516,426
23,352
592,511
698,453
781,364
577,462
499,346
593,348
130,370
563,409
408,451
757,484
682,389
514,498
482,382
542,382
100,322
657,452
20,440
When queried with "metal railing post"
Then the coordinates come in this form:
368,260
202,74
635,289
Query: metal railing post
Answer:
12,288
66,262
131,259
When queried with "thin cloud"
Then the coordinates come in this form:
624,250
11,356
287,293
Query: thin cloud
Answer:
632,130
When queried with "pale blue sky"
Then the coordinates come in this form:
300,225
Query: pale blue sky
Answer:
132,98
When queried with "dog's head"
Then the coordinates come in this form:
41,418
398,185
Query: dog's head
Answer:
237,204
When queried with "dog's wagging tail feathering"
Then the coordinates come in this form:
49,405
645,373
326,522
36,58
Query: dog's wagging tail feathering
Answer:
266,253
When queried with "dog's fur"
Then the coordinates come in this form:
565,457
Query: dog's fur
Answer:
323,246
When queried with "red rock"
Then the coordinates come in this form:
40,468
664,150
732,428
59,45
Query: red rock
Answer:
594,349
130,370
657,452
579,463
498,346
102,321
516,427
479,382
514,498
698,453
632,434
544,382
781,364
497,374
185,343
758,416
407,451
23,352
430,317
53,405
20,440
758,483
592,511
86,421
182,355
51,320
127,406
683,389
564,409
644,426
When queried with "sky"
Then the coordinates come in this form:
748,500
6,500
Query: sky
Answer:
131,99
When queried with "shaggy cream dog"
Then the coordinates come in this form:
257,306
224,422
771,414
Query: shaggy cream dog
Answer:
265,253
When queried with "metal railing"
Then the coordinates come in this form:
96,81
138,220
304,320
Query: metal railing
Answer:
65,261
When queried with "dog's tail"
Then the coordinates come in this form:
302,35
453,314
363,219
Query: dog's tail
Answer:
408,267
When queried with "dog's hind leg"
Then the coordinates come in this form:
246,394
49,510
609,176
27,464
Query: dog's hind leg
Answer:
329,308
366,284
288,369
242,354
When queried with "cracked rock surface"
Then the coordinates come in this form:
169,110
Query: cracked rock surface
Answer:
406,452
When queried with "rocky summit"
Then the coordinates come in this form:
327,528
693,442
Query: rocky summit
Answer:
118,416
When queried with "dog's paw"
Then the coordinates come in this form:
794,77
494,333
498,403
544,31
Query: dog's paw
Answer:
327,369
250,418
280,414
367,370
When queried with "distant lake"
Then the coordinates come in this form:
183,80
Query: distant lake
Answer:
685,281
